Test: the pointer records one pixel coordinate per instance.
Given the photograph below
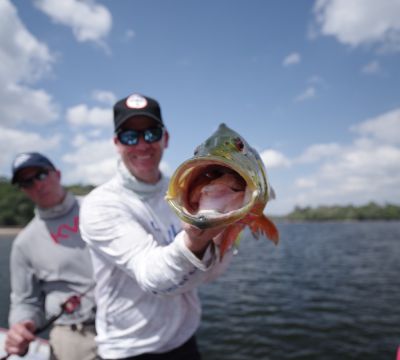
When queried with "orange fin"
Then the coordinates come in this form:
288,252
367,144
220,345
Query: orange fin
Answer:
263,225
229,236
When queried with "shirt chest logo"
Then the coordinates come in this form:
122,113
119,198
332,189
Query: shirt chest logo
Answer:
64,231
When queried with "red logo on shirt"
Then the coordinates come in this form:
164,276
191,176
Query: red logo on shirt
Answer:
64,230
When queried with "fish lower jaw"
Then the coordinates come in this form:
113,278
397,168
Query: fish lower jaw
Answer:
205,219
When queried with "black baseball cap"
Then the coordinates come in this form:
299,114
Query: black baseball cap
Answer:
135,105
29,159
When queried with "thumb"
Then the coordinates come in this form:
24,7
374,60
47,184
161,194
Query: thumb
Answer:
29,325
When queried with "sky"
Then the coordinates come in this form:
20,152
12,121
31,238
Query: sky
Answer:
313,86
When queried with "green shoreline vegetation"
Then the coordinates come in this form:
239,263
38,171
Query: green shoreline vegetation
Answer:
370,211
16,209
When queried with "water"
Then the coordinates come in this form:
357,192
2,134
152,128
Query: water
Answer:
327,291
5,247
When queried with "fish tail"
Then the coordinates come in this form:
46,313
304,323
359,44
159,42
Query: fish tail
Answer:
229,237
261,224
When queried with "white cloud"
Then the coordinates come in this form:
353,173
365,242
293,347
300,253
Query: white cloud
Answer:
371,68
291,59
166,168
319,151
105,97
384,128
81,115
315,79
89,21
79,140
22,56
367,169
20,104
358,22
307,94
305,183
129,34
359,175
93,162
14,141
23,60
274,159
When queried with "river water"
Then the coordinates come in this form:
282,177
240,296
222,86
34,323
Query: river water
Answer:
327,291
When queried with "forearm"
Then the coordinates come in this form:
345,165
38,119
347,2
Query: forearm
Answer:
147,253
23,312
26,299
172,269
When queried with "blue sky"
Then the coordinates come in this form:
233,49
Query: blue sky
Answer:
314,86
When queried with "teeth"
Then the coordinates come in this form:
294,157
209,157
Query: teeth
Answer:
143,157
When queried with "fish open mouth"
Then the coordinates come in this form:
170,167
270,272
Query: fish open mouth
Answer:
223,185
214,188
210,193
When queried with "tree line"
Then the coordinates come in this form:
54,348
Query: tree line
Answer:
370,211
16,209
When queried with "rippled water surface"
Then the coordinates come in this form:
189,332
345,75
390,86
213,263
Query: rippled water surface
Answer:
327,291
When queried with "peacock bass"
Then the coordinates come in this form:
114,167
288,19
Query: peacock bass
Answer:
224,183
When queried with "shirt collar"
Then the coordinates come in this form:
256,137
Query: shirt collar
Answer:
59,210
141,189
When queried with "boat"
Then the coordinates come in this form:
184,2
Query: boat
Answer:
38,349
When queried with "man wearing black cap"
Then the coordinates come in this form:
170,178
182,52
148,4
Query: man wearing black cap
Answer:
49,263
147,269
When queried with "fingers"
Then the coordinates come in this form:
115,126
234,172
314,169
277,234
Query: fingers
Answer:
201,235
197,240
19,336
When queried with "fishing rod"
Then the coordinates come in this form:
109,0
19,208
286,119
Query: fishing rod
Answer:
67,307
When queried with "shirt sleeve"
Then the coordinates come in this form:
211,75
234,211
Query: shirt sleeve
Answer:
27,300
116,233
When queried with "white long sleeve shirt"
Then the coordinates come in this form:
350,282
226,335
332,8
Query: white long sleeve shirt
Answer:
146,276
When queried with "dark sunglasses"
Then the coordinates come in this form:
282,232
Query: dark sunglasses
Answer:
131,137
28,182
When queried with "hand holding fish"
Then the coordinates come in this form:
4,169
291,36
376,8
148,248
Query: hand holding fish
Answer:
197,240
223,186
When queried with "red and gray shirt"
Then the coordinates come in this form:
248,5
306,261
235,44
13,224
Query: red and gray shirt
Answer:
49,262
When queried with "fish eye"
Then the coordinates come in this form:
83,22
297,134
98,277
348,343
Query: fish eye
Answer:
239,144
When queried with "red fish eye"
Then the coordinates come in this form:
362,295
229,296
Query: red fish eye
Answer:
239,144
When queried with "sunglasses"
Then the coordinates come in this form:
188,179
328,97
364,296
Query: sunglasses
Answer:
28,182
131,137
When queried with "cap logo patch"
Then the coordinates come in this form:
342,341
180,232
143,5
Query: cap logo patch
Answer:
136,101
21,159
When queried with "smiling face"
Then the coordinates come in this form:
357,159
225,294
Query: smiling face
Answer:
142,159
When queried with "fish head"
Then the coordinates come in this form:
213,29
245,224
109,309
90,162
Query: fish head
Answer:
224,168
